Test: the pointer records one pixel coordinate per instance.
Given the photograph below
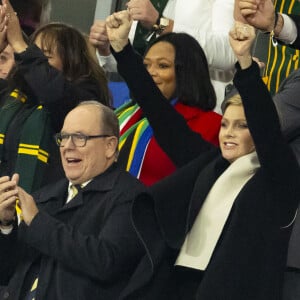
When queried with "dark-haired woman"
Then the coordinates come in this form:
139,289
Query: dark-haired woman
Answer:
178,66
51,76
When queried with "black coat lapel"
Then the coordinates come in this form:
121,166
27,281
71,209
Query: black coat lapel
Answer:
172,198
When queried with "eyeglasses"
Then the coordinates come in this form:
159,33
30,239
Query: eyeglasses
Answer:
78,139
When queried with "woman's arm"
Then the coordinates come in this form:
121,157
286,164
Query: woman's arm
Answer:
277,160
170,129
49,87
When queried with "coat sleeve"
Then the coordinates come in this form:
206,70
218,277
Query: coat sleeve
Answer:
170,129
9,253
105,256
278,162
49,86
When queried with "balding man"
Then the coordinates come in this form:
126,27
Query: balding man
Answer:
75,239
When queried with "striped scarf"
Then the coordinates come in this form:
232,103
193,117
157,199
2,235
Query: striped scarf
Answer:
34,136
133,124
142,133
282,60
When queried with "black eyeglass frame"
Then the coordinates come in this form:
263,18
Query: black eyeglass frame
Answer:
59,136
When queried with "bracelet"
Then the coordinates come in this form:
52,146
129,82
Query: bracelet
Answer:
158,27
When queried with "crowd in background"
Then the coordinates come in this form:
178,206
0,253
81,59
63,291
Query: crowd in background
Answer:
187,190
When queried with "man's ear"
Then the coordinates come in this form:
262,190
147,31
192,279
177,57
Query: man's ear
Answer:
111,146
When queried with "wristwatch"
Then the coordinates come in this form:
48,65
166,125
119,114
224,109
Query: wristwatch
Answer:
161,25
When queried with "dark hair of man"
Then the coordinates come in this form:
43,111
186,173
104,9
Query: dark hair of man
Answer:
72,47
193,85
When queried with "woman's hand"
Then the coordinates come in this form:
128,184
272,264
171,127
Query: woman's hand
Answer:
98,37
14,31
8,197
3,28
241,38
118,27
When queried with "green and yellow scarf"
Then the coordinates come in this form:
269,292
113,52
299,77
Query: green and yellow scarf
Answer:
34,143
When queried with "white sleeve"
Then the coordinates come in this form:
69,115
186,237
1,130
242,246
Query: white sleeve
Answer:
169,11
209,22
288,33
108,63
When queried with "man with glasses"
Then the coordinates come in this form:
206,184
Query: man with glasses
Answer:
74,239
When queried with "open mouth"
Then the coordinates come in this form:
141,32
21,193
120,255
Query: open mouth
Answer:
73,161
229,145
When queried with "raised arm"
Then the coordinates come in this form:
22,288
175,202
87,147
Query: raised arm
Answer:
164,120
275,156
47,85
261,14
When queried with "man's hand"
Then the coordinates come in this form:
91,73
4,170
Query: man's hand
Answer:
241,38
8,197
98,37
143,11
258,13
27,205
118,27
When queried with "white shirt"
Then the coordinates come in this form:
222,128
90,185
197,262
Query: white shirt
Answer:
288,33
70,190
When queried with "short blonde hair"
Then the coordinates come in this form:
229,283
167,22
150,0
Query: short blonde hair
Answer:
234,100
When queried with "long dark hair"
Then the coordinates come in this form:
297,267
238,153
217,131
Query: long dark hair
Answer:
193,85
79,63
75,53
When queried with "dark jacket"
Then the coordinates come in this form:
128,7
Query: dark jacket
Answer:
249,260
288,107
86,249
